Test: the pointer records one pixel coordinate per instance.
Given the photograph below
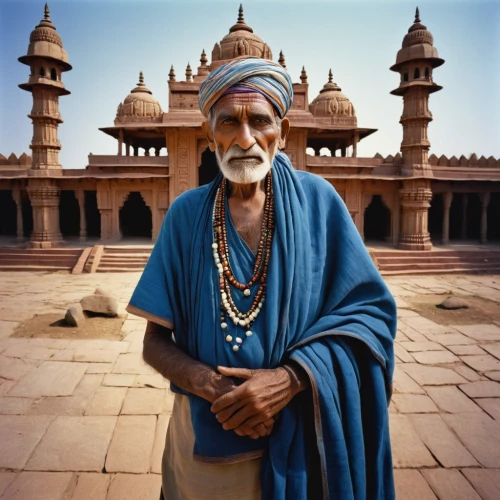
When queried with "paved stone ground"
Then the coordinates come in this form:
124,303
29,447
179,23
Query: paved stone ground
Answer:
86,419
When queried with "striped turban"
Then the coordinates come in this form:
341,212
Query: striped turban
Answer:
250,74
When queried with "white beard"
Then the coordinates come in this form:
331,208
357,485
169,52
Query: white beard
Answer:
244,171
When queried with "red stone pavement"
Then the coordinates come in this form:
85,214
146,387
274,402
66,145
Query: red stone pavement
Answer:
86,419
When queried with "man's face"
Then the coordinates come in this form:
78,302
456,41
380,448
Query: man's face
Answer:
245,136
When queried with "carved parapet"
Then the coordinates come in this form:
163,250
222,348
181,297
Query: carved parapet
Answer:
463,161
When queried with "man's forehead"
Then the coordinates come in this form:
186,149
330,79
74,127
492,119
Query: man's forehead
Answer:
255,100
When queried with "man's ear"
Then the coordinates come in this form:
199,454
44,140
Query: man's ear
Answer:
207,130
285,128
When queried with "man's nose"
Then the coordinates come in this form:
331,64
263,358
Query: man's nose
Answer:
244,137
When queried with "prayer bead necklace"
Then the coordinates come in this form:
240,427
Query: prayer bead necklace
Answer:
220,249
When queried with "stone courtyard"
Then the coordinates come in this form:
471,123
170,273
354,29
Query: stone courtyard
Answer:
85,419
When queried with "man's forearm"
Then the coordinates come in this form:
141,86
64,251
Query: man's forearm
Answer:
165,357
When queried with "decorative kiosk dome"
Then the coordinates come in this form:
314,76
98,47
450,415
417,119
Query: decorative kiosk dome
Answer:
417,45
331,103
47,43
139,105
240,41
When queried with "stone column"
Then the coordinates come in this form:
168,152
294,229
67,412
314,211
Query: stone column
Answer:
44,196
343,150
120,142
447,199
136,151
463,232
105,206
80,196
127,149
355,144
415,199
485,199
16,196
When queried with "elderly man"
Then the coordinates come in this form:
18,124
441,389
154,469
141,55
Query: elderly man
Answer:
268,317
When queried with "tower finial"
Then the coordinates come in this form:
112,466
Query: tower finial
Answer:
171,75
281,60
330,76
417,16
46,12
141,79
189,73
203,58
303,75
241,18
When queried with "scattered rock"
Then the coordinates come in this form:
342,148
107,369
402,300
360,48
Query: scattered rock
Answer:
102,304
102,291
74,315
454,303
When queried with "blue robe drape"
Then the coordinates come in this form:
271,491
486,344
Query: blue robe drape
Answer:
326,308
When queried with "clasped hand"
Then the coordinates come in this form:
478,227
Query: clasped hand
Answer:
250,409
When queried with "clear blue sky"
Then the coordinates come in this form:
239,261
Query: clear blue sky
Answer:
110,41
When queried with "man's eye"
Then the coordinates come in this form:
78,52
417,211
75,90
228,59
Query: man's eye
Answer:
226,121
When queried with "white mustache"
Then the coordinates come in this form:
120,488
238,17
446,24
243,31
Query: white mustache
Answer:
237,152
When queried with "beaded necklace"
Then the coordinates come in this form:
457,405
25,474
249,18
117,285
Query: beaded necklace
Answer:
220,249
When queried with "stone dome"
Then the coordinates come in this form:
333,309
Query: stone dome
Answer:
47,43
139,105
417,45
240,41
332,103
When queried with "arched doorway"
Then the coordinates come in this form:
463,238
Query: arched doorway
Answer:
92,215
69,214
377,221
135,217
435,218
208,169
493,217
8,214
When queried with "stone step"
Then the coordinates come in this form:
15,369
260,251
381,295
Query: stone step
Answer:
423,272
423,260
124,264
436,253
67,262
126,256
106,269
439,265
33,268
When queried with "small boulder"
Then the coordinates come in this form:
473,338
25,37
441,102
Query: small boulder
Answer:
101,304
454,303
102,291
74,315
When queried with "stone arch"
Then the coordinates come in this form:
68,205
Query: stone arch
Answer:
135,215
8,211
377,220
69,214
53,74
324,151
435,217
416,74
208,168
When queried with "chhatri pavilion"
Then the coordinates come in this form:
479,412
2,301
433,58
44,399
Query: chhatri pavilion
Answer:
410,199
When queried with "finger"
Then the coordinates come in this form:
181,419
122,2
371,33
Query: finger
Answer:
226,400
261,430
243,373
258,419
228,412
246,431
241,416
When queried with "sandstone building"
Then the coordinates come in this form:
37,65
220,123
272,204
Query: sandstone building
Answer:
411,200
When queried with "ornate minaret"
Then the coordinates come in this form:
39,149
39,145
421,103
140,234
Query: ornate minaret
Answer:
415,62
47,60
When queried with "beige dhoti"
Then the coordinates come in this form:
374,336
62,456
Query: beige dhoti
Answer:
183,478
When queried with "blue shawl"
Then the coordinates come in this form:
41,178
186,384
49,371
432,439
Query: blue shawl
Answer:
326,308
